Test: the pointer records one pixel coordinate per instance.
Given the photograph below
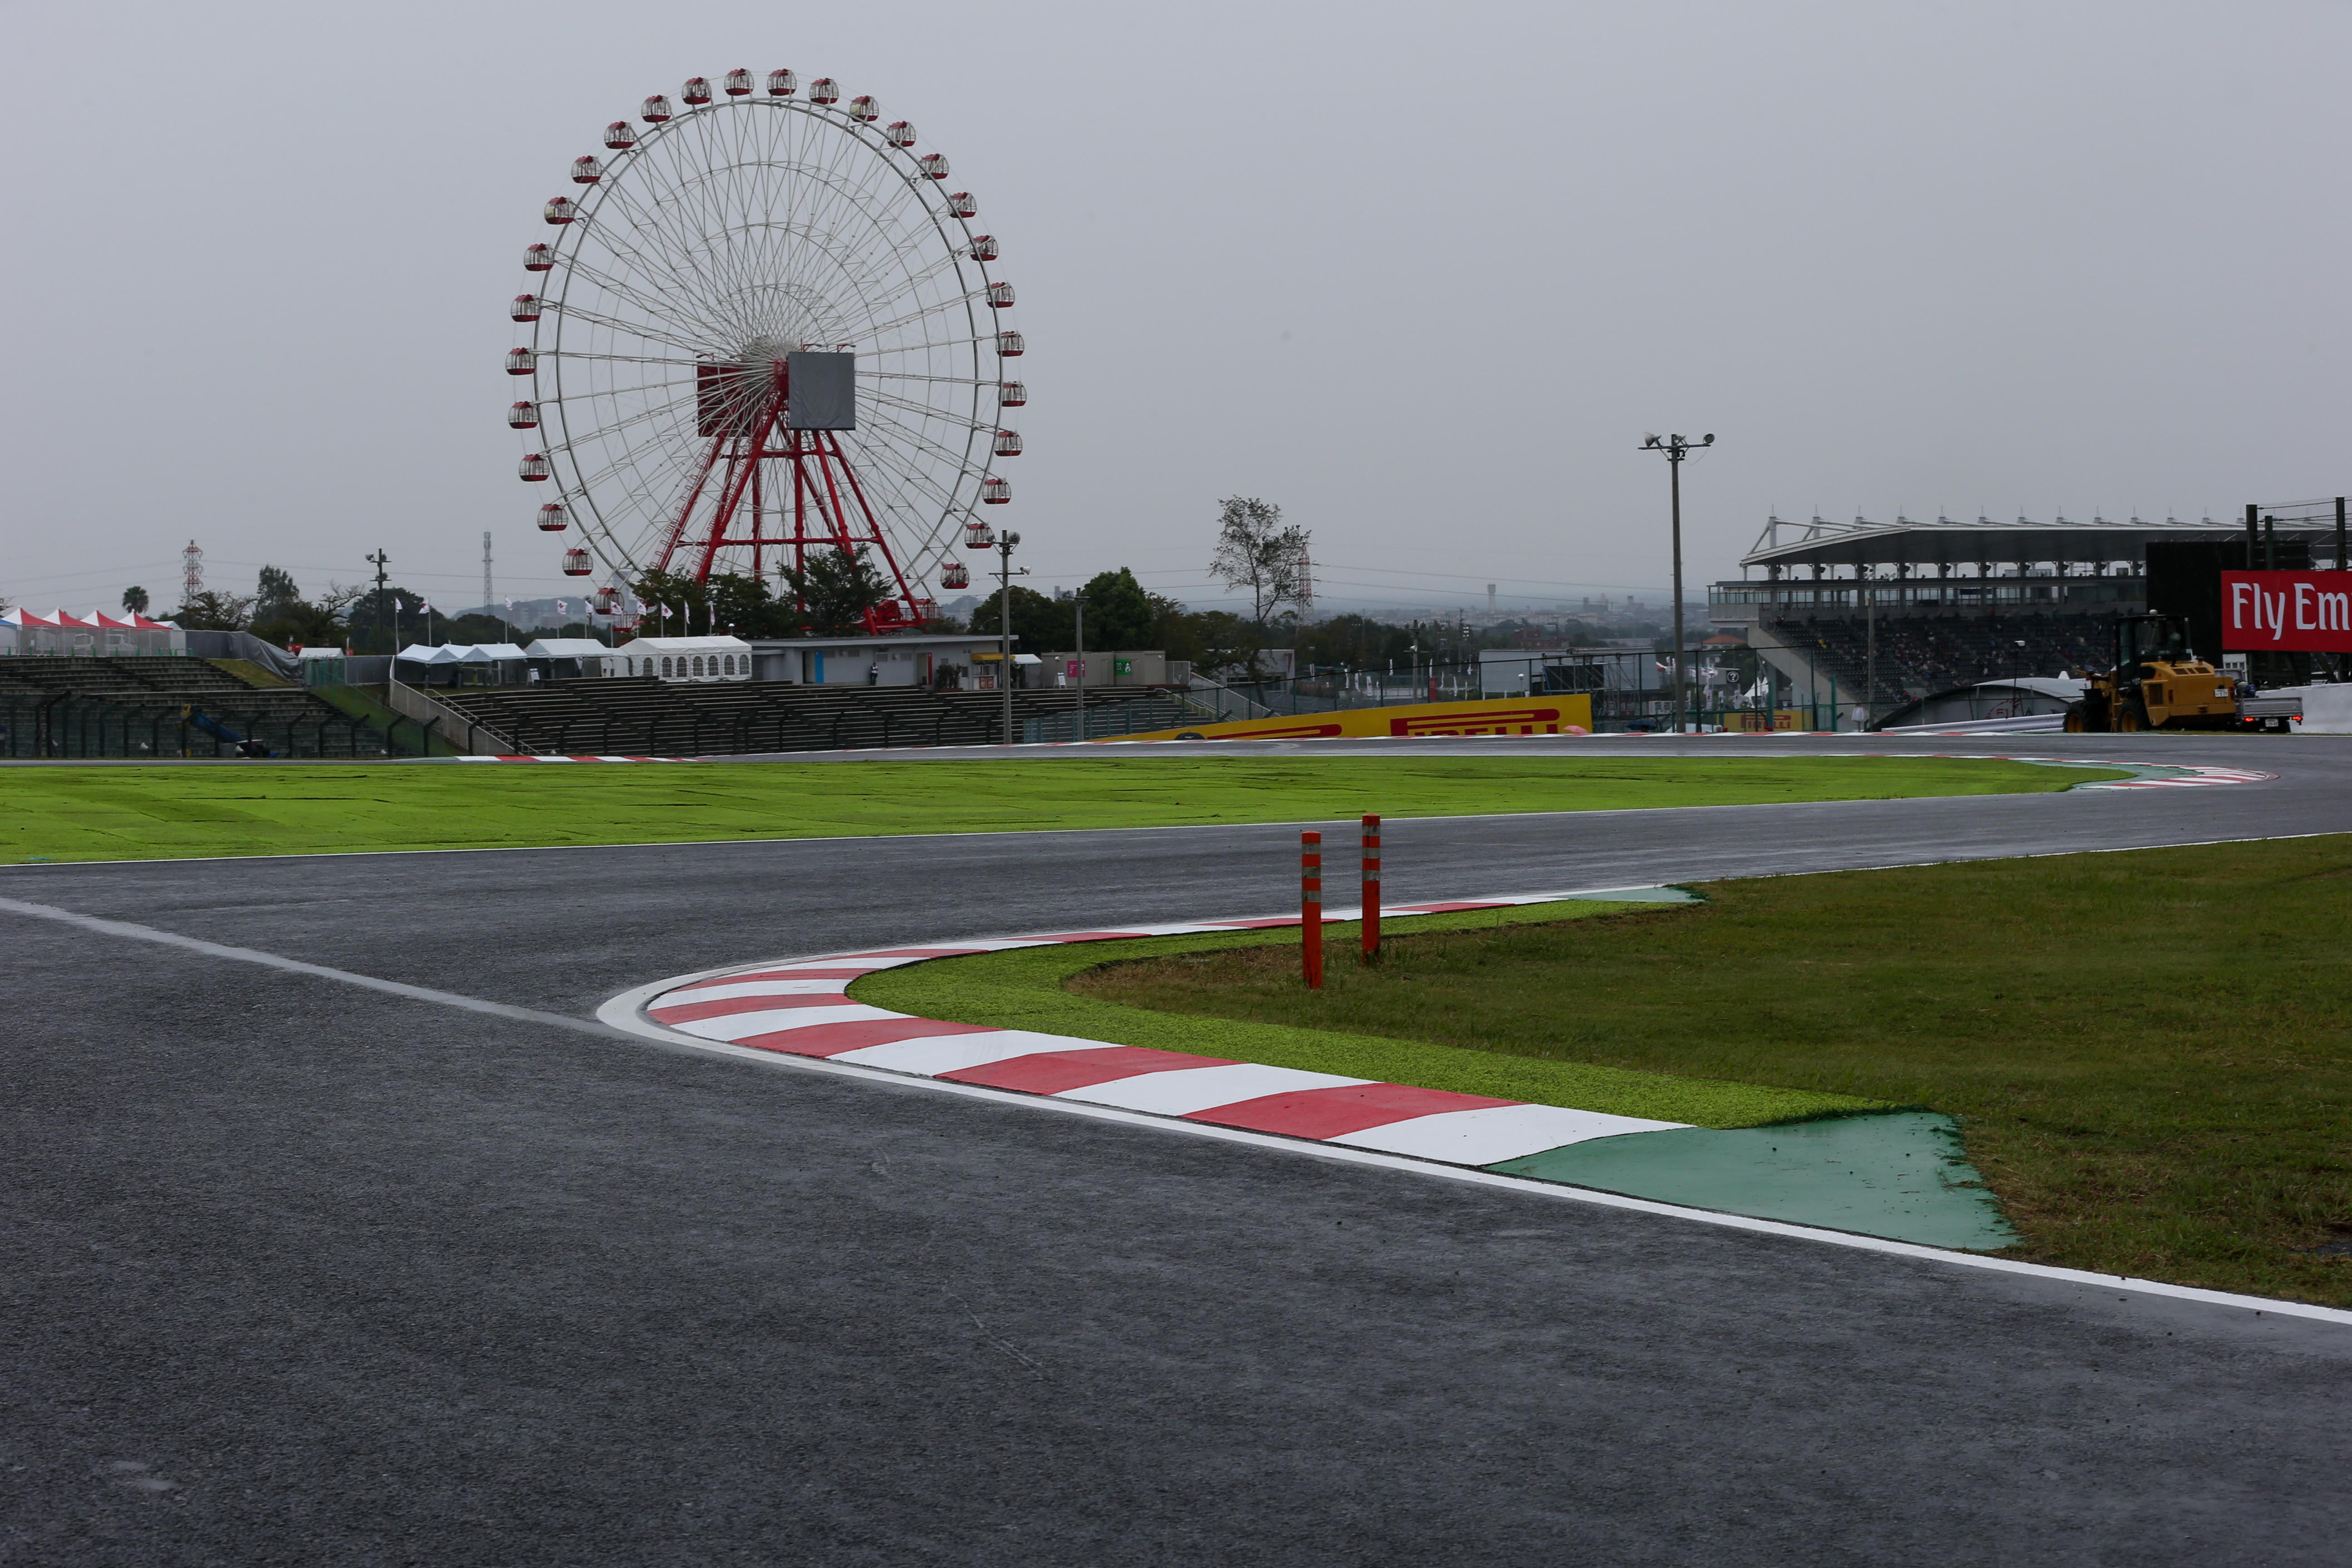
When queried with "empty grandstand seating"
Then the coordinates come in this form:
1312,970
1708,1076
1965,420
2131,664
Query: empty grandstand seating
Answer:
639,716
166,708
1918,656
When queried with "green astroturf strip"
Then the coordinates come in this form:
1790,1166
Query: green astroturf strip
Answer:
1901,1176
1024,989
143,813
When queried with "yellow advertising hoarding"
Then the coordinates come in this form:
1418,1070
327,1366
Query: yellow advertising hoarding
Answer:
1570,715
1750,721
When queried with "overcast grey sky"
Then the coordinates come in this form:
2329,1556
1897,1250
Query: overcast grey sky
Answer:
1423,275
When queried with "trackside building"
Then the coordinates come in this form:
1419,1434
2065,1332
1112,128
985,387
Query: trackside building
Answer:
1892,613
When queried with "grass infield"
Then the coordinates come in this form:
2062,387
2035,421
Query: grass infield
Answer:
154,813
1055,990
2151,1052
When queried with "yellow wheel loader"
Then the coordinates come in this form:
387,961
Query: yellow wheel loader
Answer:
2156,683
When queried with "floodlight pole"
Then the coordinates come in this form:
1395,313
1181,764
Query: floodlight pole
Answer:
1676,449
379,561
1005,573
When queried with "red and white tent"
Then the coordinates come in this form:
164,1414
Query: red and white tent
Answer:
94,634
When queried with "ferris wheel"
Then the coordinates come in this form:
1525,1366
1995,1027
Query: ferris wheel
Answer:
765,329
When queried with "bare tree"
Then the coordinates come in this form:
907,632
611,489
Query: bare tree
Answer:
1256,553
337,599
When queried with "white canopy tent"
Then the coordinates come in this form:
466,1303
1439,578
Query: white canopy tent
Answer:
684,658
486,658
567,656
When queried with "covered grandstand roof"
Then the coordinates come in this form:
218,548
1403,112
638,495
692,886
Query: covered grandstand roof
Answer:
1948,541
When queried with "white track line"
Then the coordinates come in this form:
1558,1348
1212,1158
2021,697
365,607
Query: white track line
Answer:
621,1014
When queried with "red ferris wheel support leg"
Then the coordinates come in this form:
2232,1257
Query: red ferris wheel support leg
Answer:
731,494
824,480
874,528
686,512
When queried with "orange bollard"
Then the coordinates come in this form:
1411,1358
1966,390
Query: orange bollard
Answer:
1371,888
1310,908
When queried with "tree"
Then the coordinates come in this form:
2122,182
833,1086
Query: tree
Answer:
134,599
205,611
283,617
301,624
1255,553
274,593
1211,641
744,606
836,589
1118,611
1354,640
471,628
1042,625
383,623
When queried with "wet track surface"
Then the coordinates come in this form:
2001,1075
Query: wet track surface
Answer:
298,1271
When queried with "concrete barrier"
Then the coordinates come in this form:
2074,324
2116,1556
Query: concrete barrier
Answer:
2327,710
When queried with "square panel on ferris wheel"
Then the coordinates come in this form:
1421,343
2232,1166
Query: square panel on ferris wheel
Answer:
821,390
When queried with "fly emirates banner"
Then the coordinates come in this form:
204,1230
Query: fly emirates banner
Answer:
2306,611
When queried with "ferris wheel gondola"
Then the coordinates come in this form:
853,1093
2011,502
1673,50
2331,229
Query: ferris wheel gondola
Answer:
761,330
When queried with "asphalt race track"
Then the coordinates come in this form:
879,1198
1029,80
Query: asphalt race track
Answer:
301,1271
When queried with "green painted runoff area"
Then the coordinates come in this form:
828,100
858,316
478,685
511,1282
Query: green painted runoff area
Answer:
127,813
2149,1053
1902,1174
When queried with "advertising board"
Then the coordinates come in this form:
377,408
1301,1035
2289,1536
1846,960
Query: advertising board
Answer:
1566,715
2297,612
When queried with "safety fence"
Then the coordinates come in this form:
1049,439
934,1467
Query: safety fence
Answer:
1163,710
71,727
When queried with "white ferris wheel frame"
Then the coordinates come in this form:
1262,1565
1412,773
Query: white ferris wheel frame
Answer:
926,444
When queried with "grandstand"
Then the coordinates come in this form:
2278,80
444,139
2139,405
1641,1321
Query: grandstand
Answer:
641,716
150,707
77,707
1948,604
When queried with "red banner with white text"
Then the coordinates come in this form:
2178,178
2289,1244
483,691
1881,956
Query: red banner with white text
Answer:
2302,611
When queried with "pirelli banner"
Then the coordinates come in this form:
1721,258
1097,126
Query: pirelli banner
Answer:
1510,716
2298,612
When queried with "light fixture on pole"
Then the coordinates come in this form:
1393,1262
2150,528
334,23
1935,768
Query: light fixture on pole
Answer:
1676,449
978,536
384,623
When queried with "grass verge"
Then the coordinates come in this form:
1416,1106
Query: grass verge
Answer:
1028,989
2151,1053
146,813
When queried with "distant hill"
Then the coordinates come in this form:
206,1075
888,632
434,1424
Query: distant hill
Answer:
531,615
